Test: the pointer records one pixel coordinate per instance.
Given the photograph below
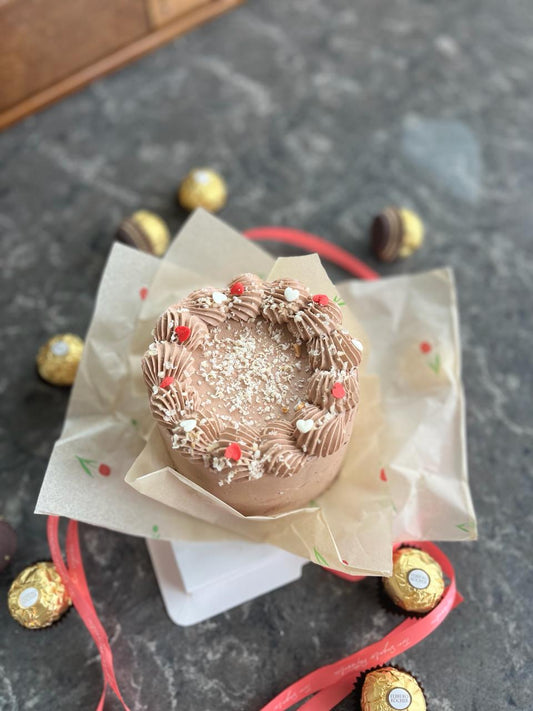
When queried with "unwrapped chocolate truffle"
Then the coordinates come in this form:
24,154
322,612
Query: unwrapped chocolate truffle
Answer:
395,233
37,597
417,583
146,231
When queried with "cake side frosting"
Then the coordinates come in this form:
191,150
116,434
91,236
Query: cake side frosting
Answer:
254,380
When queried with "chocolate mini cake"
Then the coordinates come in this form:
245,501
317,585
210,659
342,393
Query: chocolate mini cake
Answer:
254,389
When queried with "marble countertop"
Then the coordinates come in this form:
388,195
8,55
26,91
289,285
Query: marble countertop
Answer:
318,114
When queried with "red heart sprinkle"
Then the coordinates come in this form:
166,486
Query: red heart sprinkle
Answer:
425,347
104,470
233,451
167,382
143,293
338,390
237,289
382,475
321,299
183,333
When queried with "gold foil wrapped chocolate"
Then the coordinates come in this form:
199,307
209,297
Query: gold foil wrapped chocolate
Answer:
58,359
389,688
146,231
203,187
417,583
37,597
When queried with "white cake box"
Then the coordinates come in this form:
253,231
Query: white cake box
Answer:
201,579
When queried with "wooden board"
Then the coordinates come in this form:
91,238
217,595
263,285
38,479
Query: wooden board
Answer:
51,48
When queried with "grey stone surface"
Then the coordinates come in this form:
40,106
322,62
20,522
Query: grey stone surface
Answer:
318,114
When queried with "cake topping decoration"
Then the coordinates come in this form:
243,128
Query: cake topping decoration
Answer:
251,352
219,297
233,451
188,425
291,294
357,344
338,390
305,426
183,333
321,299
237,289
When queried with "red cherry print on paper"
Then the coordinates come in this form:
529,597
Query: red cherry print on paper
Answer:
233,451
321,299
143,293
382,475
104,470
237,289
183,333
338,391
425,347
167,382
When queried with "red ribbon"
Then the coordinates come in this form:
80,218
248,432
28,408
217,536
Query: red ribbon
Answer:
313,243
73,576
330,684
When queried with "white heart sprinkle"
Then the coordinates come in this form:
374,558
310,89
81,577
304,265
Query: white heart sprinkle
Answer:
304,426
155,389
357,344
291,294
219,297
188,425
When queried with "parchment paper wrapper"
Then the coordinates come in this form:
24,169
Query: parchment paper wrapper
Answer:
405,472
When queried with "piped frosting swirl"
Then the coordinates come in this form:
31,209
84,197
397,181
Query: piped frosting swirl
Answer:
245,303
209,304
334,350
176,317
314,320
334,390
326,433
173,404
166,360
283,298
281,456
195,434
248,464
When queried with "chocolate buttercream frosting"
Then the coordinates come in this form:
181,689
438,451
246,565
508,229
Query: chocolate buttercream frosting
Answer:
256,381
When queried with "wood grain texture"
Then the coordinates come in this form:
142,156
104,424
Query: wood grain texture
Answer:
51,55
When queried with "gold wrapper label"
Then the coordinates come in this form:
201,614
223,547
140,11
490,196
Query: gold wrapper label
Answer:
28,597
399,699
417,583
37,597
418,579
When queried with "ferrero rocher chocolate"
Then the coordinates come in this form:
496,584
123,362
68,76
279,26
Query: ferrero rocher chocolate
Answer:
417,583
8,544
396,233
389,688
203,187
37,597
58,359
146,231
